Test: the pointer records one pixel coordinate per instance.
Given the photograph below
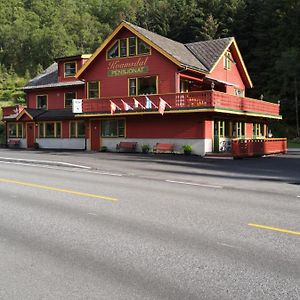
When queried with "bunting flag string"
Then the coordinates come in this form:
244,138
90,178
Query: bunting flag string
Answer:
162,106
149,103
126,105
113,107
137,104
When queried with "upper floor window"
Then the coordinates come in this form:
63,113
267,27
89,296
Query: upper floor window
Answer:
93,89
143,86
227,60
70,69
131,46
69,96
42,101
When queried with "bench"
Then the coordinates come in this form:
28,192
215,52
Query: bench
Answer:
126,146
163,147
13,143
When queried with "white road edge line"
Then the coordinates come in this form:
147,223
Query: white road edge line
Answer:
60,168
196,184
298,196
44,162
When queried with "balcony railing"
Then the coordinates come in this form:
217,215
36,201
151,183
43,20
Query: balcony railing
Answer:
187,101
258,147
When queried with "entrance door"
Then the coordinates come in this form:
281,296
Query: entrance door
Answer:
95,135
30,135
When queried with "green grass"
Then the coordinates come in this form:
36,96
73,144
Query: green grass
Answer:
292,144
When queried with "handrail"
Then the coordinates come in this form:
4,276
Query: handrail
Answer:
197,99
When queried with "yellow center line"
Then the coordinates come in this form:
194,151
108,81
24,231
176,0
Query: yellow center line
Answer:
57,189
274,229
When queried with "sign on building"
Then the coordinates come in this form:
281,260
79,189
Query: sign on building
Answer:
77,106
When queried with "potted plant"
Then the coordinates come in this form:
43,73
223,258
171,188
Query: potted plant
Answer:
145,148
187,149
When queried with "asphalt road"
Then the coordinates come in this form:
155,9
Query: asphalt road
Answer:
125,226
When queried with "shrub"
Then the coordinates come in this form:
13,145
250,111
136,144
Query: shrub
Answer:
145,148
103,149
187,149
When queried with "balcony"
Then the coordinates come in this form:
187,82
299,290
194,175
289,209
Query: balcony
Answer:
195,101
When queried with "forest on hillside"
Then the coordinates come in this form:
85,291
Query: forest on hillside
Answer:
34,32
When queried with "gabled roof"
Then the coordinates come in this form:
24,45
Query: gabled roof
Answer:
47,115
200,56
175,49
49,79
209,52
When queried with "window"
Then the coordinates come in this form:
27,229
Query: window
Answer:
113,128
42,101
69,96
15,130
123,48
143,86
132,87
93,89
128,47
238,130
219,128
70,69
77,129
143,48
258,130
113,51
132,46
50,130
227,60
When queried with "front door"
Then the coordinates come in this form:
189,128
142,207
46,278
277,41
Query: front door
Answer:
95,135
30,135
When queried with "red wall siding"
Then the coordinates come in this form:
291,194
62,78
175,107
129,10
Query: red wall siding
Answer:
118,86
184,126
208,129
249,130
232,76
56,96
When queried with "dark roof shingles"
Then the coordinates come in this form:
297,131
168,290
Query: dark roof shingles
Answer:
173,48
49,78
208,52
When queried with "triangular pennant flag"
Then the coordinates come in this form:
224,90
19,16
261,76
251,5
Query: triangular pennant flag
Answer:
137,104
149,103
161,106
126,106
113,108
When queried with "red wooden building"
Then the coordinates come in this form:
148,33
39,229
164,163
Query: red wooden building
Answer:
203,84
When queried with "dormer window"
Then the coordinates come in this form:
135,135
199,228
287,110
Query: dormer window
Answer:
131,46
70,69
